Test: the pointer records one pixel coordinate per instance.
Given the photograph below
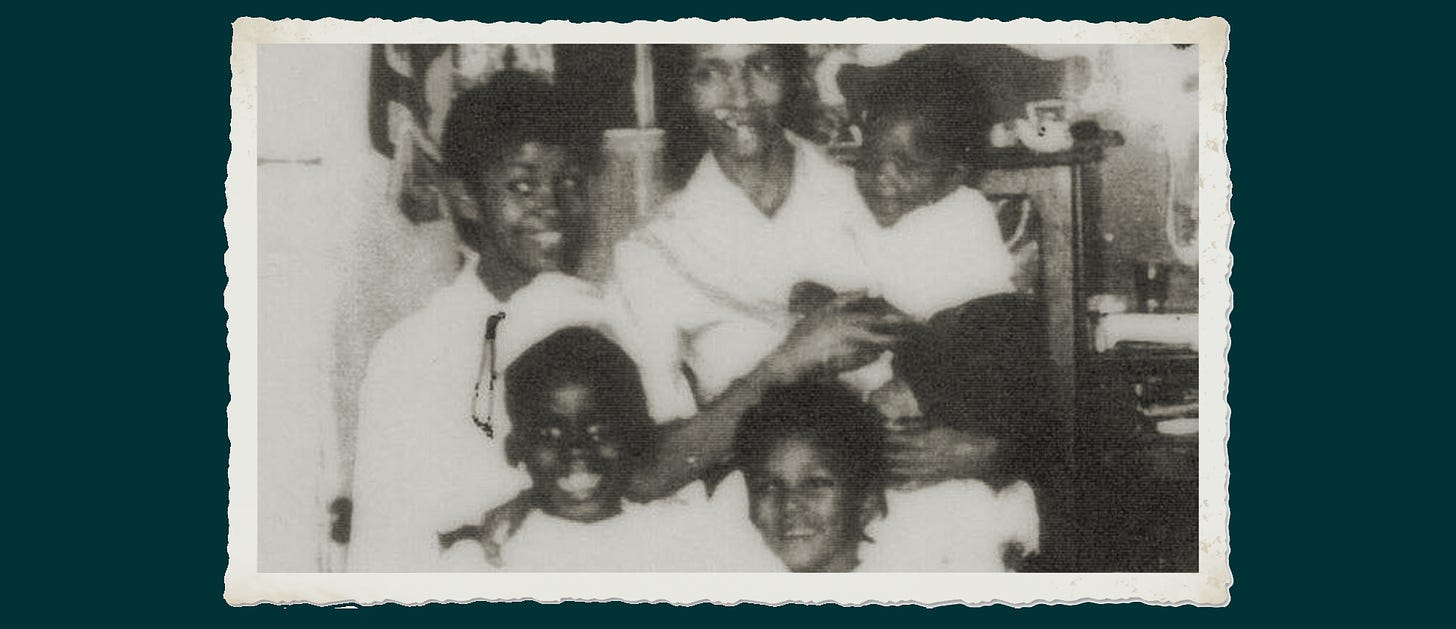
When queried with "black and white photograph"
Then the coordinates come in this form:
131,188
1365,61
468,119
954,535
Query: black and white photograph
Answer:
728,311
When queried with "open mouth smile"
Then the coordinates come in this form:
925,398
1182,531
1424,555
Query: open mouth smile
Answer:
579,485
799,534
742,130
545,238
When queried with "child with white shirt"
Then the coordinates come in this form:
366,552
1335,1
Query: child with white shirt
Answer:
939,245
935,244
813,456
581,429
427,436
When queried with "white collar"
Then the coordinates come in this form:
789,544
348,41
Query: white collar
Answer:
710,182
468,284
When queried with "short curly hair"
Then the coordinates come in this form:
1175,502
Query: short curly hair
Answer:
580,356
514,107
950,102
848,431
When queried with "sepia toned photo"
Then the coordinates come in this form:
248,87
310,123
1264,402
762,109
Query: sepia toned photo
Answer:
728,312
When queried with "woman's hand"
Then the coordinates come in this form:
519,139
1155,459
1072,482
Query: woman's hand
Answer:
835,337
932,455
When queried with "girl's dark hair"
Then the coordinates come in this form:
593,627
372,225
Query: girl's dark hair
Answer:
584,357
848,431
513,108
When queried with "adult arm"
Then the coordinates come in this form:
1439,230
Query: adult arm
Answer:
831,339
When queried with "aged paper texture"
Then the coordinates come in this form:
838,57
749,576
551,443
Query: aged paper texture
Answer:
1108,157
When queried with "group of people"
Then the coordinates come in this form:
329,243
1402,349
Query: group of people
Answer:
795,366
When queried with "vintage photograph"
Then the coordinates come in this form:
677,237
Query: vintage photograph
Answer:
505,310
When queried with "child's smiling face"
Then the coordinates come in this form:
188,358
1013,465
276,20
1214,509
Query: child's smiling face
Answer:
803,508
901,168
575,451
532,200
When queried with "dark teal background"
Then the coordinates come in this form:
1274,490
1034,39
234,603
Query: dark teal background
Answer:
121,127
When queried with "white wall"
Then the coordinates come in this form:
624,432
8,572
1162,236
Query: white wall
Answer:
337,266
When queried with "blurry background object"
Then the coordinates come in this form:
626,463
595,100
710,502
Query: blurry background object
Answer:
1047,127
1165,331
630,185
1151,287
1021,230
1105,303
1003,135
1150,199
832,125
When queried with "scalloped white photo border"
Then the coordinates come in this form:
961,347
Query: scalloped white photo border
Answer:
244,585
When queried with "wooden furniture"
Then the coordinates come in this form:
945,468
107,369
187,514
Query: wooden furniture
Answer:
1063,190
1140,513
1124,498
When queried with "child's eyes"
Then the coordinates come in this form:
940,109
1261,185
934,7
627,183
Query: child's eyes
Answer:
596,434
526,187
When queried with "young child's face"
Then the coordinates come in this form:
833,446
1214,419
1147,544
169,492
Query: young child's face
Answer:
804,510
575,454
897,172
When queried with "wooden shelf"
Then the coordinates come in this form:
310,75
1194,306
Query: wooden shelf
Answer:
1086,150
1141,361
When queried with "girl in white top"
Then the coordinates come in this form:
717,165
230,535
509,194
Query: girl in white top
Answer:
813,459
430,429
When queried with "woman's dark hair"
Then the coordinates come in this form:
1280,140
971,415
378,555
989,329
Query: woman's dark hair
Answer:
848,431
513,108
685,142
584,357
